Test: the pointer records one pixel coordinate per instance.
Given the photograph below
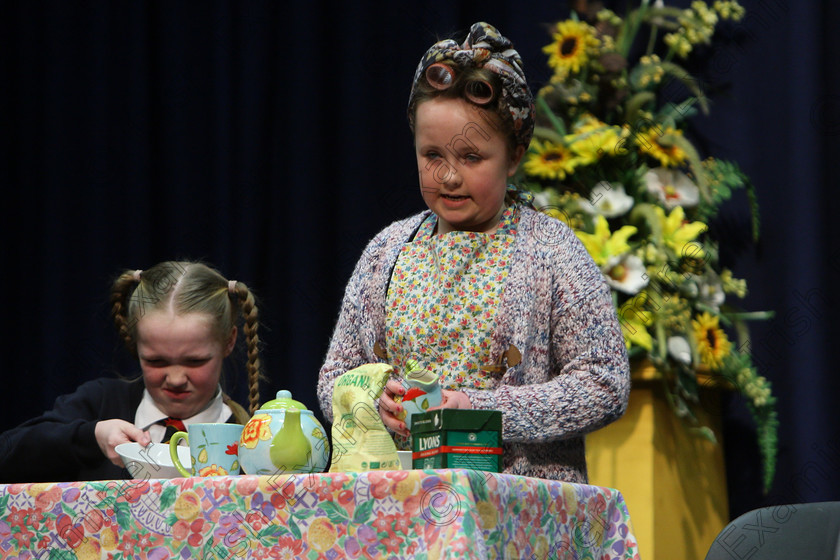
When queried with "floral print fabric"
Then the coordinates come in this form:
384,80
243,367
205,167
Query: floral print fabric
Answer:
442,301
377,514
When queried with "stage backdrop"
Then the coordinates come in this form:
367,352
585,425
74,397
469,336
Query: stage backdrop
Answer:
270,139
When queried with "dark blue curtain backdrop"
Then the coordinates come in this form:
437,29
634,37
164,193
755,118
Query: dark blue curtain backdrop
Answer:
270,140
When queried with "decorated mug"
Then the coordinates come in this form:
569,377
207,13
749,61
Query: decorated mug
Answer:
422,394
214,449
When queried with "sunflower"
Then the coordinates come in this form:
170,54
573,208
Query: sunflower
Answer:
712,343
573,42
657,143
549,160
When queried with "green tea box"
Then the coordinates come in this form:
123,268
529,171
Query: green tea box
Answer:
451,438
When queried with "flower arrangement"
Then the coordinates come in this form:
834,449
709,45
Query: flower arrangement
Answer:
611,157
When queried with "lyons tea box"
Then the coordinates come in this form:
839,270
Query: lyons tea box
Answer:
457,439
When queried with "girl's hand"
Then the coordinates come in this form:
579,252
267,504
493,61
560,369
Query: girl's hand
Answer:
388,409
453,399
111,433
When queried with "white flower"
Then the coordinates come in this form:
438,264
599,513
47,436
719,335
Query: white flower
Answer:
679,349
672,187
608,199
626,273
541,200
710,290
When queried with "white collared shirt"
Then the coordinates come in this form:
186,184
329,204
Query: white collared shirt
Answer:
148,415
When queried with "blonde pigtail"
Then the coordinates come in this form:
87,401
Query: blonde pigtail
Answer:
120,292
248,307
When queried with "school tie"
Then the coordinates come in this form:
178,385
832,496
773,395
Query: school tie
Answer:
172,425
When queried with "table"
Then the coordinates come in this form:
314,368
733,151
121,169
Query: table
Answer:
419,514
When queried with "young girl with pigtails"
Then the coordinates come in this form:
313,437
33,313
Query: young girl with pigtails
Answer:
501,302
179,319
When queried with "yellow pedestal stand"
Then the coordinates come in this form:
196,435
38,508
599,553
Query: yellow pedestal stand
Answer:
674,483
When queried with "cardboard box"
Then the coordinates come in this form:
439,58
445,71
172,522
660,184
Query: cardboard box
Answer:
457,439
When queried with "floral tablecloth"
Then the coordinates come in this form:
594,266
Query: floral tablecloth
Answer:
378,514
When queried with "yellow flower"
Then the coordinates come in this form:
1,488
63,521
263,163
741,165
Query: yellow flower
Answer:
88,549
729,10
706,14
594,139
602,244
675,313
651,70
547,90
38,488
699,34
634,320
258,429
550,161
109,538
403,489
653,142
212,470
733,285
488,513
712,343
753,385
187,506
587,123
541,547
561,208
321,535
679,43
574,41
680,235
608,16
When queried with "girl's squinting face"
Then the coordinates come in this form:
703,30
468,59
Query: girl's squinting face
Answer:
181,358
464,165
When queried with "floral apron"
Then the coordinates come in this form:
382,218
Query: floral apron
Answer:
442,301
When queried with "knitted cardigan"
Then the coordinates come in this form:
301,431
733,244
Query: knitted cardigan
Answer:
556,309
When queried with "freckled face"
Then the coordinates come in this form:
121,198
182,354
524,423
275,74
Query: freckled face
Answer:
181,359
464,165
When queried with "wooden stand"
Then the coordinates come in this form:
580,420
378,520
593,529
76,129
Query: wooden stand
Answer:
674,482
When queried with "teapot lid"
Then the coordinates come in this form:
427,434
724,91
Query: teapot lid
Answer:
283,401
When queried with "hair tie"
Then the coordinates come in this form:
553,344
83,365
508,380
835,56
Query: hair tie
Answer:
232,287
486,48
522,197
136,275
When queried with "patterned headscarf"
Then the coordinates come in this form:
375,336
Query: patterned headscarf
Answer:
485,47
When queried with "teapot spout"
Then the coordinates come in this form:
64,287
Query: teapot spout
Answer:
290,449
